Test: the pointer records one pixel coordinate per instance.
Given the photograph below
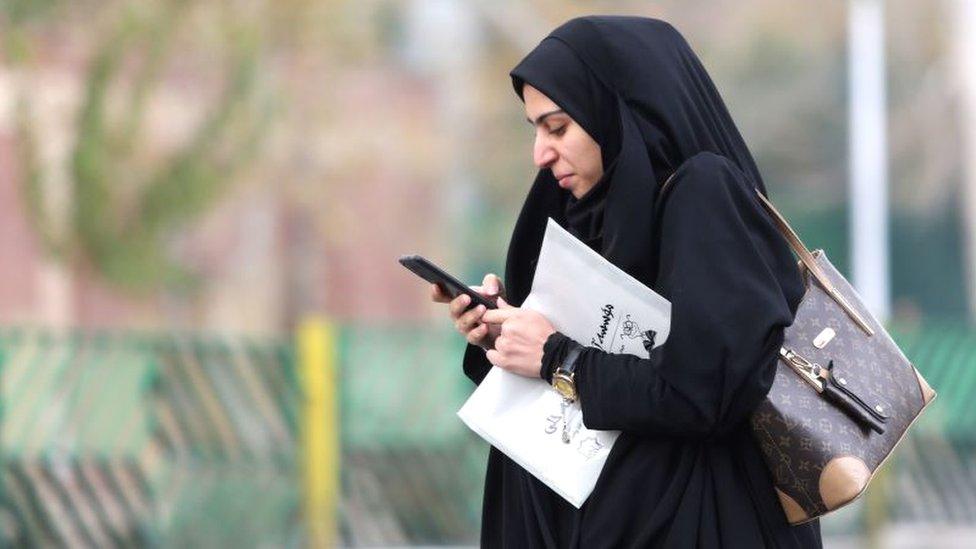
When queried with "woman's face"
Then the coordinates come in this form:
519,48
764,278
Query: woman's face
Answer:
562,145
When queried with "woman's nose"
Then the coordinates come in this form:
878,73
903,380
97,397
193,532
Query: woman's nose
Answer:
542,154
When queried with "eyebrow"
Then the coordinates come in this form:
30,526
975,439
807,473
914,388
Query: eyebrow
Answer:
543,116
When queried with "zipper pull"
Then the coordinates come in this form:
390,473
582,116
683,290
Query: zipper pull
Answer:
811,372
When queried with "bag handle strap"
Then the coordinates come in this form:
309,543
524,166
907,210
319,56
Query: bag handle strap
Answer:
810,262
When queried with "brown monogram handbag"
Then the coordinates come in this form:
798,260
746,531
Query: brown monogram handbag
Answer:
843,396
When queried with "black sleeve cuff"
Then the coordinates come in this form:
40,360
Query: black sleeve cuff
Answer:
475,363
553,353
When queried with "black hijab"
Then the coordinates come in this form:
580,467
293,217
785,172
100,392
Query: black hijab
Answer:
638,89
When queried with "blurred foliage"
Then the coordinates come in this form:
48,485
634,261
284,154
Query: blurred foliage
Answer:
362,104
123,207
15,17
21,11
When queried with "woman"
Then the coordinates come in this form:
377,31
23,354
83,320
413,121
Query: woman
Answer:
640,159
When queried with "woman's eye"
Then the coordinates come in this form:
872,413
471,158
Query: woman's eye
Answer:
558,131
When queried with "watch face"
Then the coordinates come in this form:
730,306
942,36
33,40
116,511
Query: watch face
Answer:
564,387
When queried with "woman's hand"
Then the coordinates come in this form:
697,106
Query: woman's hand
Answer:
523,332
468,323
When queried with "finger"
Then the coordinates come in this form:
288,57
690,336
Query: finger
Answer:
471,318
482,291
509,328
498,284
459,304
477,334
497,316
494,357
502,304
491,285
501,285
437,295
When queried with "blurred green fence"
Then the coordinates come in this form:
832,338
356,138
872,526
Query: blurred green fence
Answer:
412,472
128,440
125,440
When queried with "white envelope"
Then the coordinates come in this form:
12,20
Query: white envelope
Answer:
595,303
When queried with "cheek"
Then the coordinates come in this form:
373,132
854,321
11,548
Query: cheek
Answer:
575,153
590,160
596,160
586,155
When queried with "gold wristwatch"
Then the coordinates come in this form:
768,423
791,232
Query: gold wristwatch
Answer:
563,379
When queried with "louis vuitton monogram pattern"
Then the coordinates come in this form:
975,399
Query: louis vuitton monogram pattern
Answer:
803,436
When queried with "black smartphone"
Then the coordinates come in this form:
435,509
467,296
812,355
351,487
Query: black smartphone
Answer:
453,287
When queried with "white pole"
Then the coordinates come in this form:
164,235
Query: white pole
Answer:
868,155
964,53
445,43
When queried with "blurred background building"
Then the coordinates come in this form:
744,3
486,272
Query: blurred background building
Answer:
183,184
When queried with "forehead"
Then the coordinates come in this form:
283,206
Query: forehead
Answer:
536,102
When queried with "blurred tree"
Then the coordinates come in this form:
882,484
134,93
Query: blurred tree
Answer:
15,17
124,201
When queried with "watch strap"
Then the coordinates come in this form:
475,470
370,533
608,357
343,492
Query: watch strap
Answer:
553,352
568,365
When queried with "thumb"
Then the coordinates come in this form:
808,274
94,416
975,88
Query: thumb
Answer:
502,304
490,284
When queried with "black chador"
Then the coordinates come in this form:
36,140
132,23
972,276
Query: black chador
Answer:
685,471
